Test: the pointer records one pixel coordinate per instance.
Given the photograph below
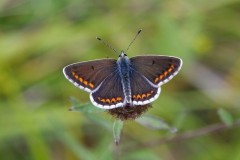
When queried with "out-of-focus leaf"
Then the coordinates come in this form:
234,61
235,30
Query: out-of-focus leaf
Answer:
104,149
117,129
225,116
89,110
100,121
85,108
141,155
155,123
71,143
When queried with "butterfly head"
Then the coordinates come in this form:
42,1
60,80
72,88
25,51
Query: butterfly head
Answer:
123,54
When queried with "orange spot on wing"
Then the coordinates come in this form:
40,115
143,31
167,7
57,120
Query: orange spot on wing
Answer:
85,82
119,98
76,76
151,91
73,73
113,100
108,100
156,80
139,96
134,96
170,70
99,98
148,94
144,96
80,79
165,73
103,100
91,85
161,77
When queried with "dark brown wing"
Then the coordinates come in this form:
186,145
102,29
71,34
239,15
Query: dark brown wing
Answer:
89,75
157,69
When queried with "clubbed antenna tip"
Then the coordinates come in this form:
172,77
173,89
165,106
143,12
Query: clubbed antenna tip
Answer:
139,31
98,38
134,39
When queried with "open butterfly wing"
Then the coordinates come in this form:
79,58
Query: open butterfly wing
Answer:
88,75
157,69
110,93
143,91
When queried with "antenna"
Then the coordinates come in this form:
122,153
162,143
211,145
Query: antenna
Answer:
133,39
106,44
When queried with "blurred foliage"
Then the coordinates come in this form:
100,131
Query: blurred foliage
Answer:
38,38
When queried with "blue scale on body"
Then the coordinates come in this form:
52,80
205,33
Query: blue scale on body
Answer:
124,69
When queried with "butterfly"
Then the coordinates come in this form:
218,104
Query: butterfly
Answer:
122,85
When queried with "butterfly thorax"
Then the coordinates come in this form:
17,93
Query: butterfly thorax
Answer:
124,69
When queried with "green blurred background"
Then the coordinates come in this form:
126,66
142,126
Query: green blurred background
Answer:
39,37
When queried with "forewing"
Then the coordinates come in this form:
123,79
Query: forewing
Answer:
89,75
110,93
157,69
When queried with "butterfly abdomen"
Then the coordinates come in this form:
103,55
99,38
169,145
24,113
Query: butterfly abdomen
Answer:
124,68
